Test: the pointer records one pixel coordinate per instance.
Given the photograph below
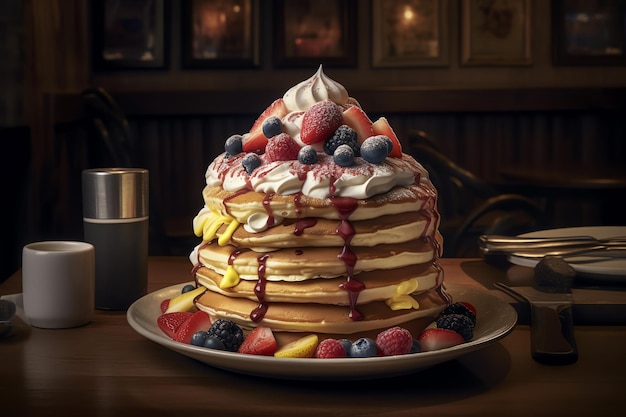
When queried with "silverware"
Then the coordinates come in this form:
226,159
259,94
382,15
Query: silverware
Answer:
552,325
563,246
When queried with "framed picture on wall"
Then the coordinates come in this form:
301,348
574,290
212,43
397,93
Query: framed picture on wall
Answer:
220,33
129,34
591,32
496,32
310,33
407,33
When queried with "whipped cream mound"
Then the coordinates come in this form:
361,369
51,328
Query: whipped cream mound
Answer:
321,180
317,88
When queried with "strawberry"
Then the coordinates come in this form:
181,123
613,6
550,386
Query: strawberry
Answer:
320,121
282,148
330,348
260,341
356,118
255,140
164,305
394,341
382,127
197,321
171,322
435,339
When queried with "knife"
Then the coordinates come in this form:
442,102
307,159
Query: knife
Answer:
550,299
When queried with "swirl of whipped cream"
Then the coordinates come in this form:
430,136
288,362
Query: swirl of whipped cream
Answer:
317,88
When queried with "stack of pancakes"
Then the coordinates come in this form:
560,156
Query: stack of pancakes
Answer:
340,267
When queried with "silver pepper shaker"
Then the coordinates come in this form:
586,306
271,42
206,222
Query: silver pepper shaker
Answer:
115,217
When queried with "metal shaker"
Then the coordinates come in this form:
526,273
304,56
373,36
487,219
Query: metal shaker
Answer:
115,218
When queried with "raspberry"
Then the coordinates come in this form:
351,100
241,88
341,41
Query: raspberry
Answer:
394,341
281,148
459,323
460,308
228,332
330,348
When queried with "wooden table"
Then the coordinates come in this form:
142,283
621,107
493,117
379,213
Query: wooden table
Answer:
107,369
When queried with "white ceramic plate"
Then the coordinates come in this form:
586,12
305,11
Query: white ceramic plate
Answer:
606,269
495,320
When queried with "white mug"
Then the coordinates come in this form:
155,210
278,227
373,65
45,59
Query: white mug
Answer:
58,279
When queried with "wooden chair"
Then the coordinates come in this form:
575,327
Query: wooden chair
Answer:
114,146
470,206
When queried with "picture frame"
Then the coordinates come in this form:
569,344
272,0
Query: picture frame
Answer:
220,34
410,33
496,33
313,33
589,33
129,35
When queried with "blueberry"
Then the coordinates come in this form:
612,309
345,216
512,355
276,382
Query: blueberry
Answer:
416,347
347,344
272,126
343,155
233,145
363,348
251,162
187,288
307,155
375,149
213,342
198,338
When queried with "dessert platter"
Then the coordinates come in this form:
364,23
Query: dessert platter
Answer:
495,320
319,239
594,266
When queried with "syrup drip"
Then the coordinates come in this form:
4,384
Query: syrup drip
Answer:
233,256
297,202
259,290
345,207
304,224
267,200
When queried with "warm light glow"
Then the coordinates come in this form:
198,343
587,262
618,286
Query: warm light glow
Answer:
236,8
408,14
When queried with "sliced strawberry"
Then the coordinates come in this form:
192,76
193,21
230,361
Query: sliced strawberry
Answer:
171,322
320,121
435,339
356,118
260,341
196,322
255,140
382,127
164,304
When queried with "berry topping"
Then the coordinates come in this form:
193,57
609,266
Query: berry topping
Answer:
307,155
170,322
233,145
282,148
260,341
469,306
330,348
251,162
459,323
461,308
394,341
356,118
382,127
435,339
344,135
347,344
164,305
212,342
228,332
198,338
320,121
187,288
363,348
301,348
375,149
255,140
197,321
343,156
272,126
415,347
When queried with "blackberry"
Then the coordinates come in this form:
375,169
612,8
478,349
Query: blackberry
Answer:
344,135
459,308
229,333
457,323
